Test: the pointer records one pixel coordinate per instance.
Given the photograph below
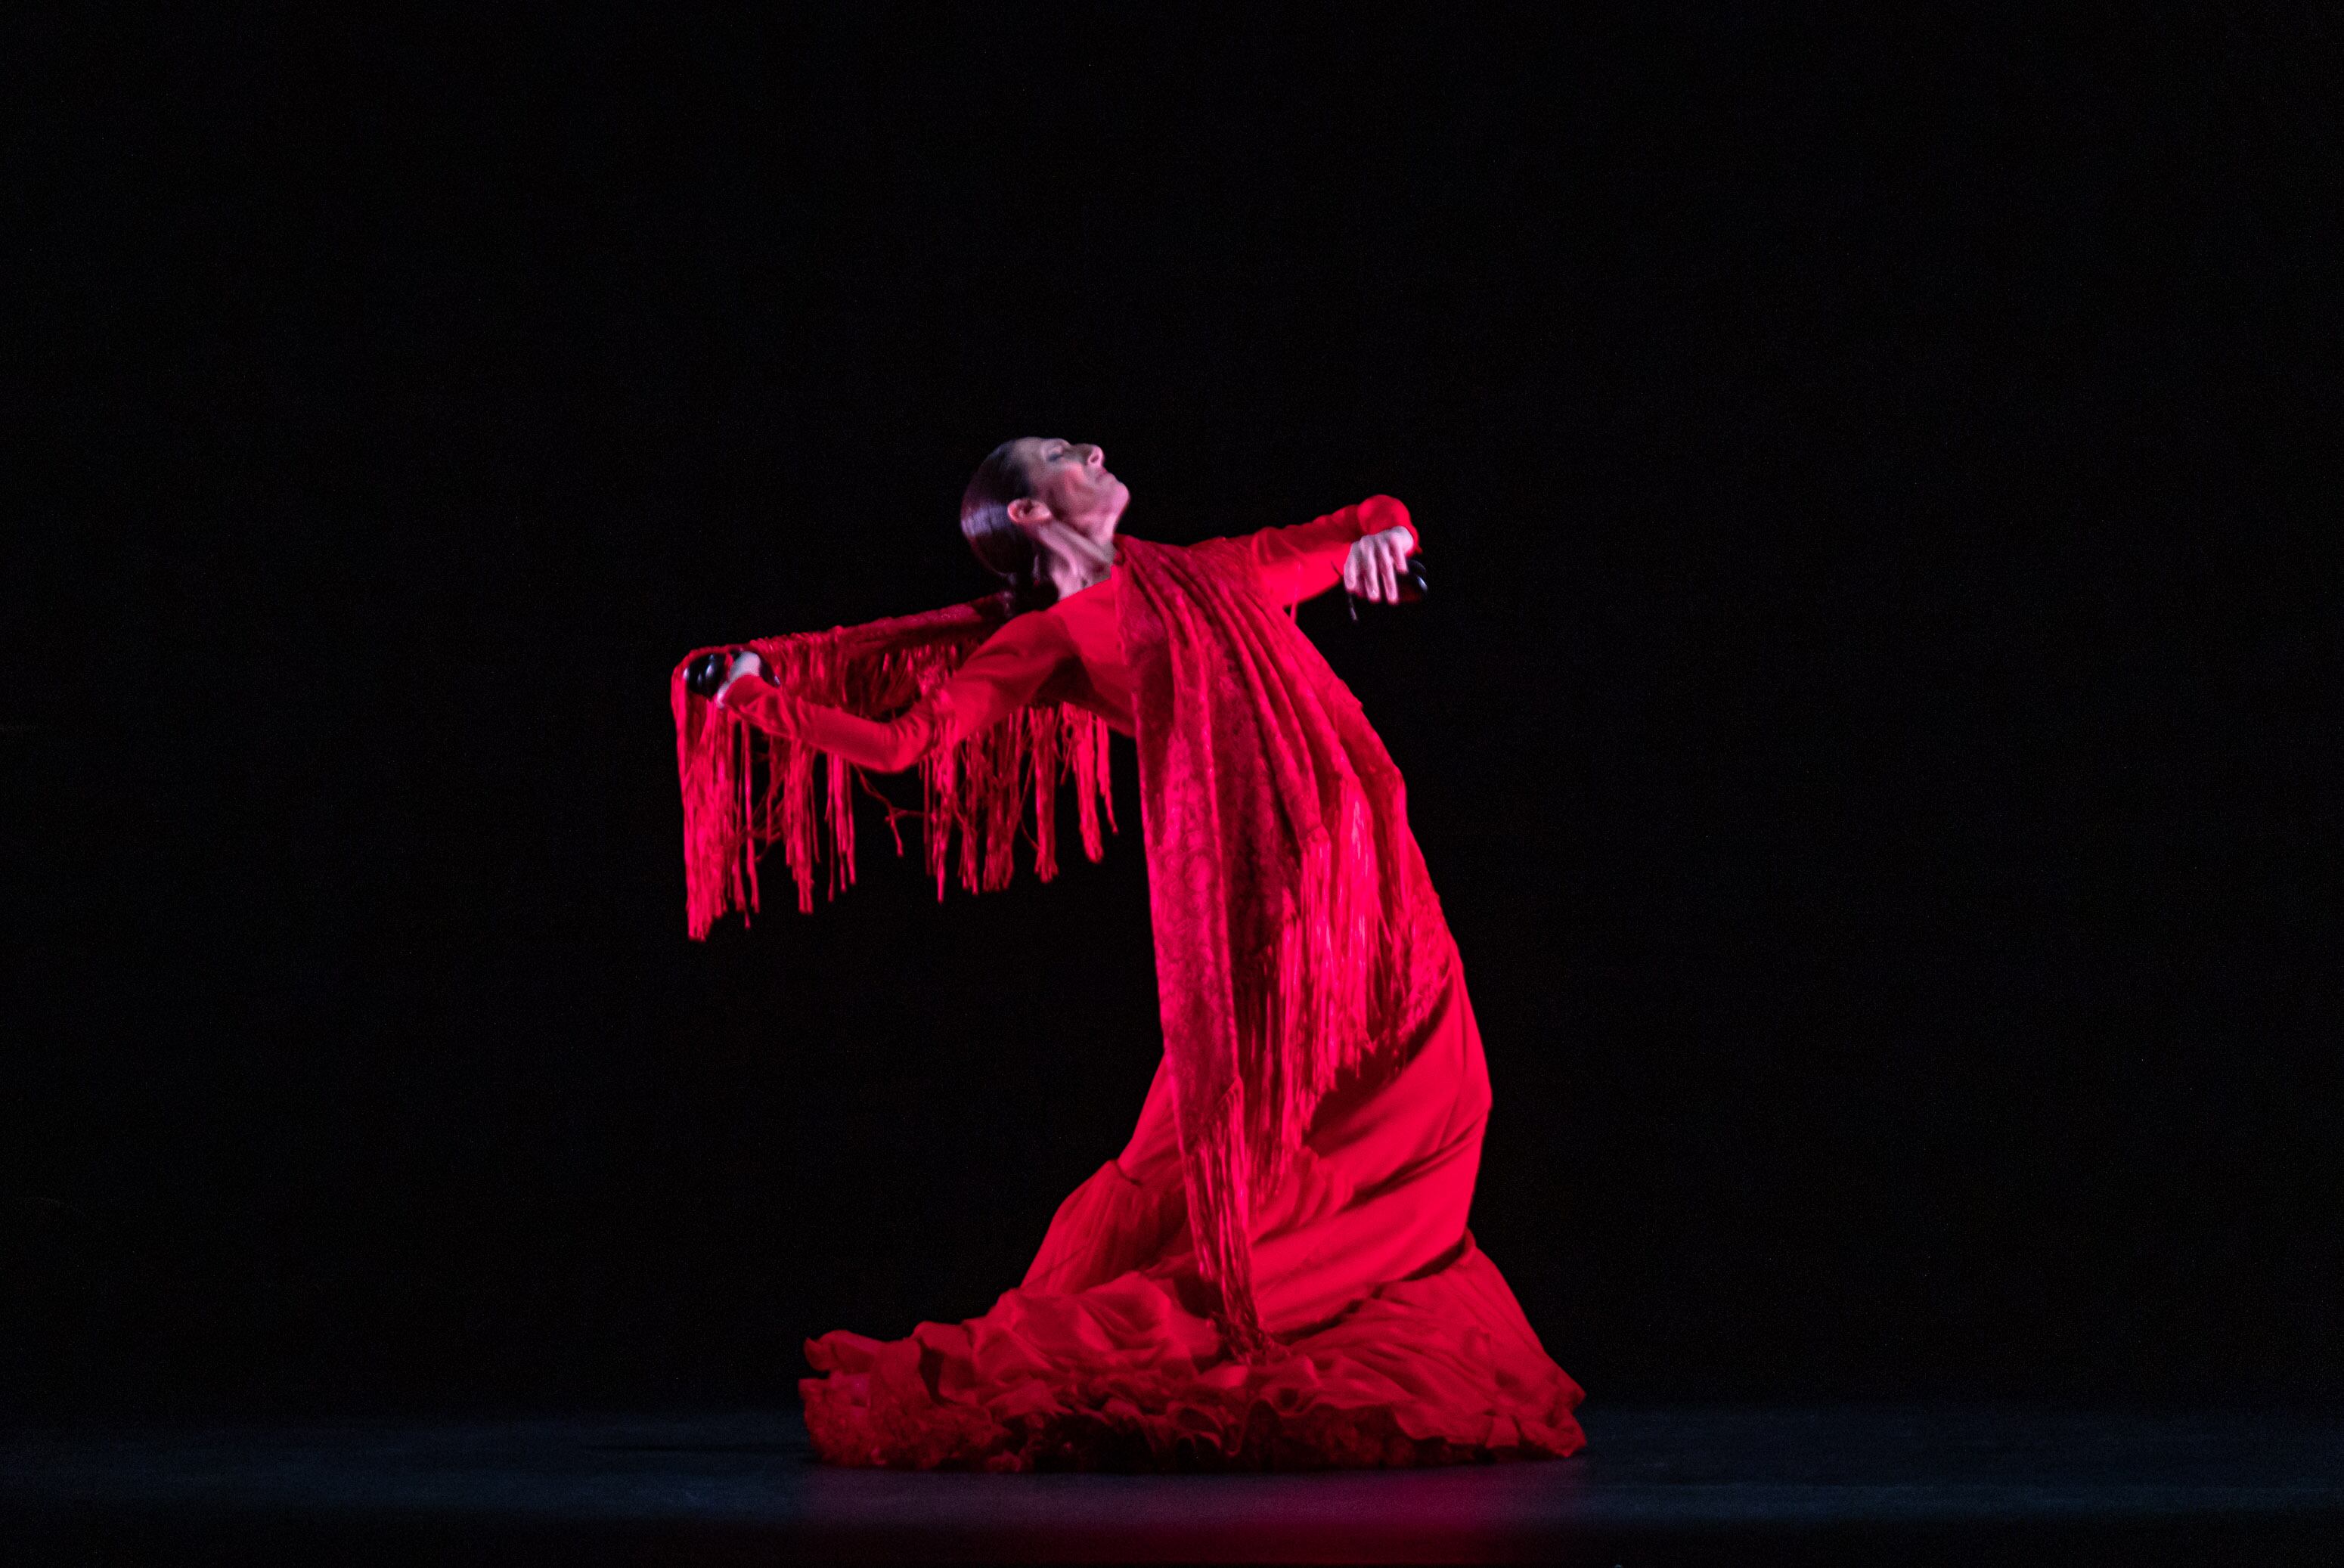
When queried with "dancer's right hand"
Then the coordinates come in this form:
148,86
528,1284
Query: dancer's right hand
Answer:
1377,564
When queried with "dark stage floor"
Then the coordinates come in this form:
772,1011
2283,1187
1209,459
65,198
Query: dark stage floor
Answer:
1829,1485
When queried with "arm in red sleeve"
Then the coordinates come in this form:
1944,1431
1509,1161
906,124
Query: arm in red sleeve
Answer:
889,745
1001,677
1306,560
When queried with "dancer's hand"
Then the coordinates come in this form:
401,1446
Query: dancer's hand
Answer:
1376,563
745,663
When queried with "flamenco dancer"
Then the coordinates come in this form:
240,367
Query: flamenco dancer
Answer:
1275,1273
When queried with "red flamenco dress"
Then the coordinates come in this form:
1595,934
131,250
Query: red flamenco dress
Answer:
1276,1273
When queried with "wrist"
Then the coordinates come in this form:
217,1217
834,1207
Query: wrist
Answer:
1382,514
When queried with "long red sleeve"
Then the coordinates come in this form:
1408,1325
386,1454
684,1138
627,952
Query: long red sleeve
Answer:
1305,559
1001,677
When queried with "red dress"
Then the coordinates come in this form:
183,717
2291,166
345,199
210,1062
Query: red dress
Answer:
1409,1347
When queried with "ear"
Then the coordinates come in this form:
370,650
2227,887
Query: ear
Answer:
1028,512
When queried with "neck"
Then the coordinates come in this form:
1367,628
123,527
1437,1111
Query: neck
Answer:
1076,560
1073,577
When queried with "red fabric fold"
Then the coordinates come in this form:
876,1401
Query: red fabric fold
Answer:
1124,1376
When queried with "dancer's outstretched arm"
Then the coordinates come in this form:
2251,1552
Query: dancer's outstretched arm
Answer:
1306,560
999,678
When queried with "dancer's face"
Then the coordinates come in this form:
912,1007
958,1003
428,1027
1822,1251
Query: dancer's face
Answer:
1071,486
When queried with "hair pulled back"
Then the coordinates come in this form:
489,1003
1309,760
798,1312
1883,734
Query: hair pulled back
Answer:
1003,548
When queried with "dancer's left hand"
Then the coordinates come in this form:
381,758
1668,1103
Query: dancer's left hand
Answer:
744,663
1373,569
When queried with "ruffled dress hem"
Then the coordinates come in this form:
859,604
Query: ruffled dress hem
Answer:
1438,1369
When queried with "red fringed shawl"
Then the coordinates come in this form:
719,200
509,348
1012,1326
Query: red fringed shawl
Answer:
977,786
1295,927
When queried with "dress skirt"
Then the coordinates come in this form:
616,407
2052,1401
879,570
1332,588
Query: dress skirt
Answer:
1406,1345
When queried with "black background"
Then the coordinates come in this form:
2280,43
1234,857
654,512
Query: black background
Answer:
1865,733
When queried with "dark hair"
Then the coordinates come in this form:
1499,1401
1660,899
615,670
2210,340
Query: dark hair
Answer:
1006,549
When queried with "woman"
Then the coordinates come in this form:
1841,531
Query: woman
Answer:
1275,1273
